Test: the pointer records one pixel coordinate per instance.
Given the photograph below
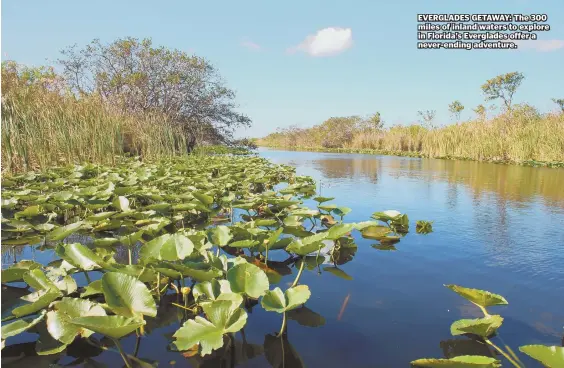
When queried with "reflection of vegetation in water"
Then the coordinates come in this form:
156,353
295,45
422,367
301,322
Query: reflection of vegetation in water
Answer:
156,233
513,183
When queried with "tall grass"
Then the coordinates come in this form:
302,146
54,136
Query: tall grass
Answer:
518,136
44,126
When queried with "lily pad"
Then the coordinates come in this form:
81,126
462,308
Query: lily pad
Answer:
549,356
480,297
127,296
280,302
248,279
223,317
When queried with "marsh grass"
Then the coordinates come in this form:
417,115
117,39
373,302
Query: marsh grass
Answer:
43,126
522,135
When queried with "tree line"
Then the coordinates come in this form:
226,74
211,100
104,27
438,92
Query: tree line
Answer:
133,76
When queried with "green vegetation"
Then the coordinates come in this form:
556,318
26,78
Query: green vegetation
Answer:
126,97
210,222
519,135
482,330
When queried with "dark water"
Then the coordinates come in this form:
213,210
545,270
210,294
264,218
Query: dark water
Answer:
496,227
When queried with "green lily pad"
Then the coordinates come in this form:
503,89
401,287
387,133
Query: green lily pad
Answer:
280,302
549,356
219,235
477,296
62,232
112,326
483,327
464,361
168,247
59,319
248,279
223,317
127,296
80,256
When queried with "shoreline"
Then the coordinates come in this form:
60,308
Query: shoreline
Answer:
529,163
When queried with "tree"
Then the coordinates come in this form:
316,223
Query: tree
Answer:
503,87
559,102
455,109
480,110
133,76
375,121
427,116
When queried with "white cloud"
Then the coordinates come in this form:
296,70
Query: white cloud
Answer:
541,45
250,45
326,42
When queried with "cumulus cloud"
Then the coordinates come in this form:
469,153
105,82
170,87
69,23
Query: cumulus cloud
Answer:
250,45
541,45
326,42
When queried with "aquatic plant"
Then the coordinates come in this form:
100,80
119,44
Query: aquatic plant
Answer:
189,240
483,329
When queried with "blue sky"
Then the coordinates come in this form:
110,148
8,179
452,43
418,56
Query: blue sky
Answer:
255,46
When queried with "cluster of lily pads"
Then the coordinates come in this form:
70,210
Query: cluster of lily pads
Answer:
482,329
198,234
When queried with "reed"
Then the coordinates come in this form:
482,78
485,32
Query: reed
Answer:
42,126
522,135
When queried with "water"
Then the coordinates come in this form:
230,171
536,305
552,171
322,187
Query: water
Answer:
496,227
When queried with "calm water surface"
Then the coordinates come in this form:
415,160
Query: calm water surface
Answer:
496,227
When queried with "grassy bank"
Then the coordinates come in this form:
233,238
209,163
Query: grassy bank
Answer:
522,136
42,125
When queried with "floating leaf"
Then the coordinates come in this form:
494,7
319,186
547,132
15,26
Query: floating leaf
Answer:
39,300
112,326
249,279
37,280
463,361
375,232
121,203
280,302
64,231
168,247
80,256
94,288
19,326
337,231
483,327
248,243
223,317
219,235
323,199
31,240
127,296
549,356
18,270
59,320
480,297
100,216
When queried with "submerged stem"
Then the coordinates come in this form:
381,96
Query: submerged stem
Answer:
87,277
123,356
283,328
129,253
503,353
299,273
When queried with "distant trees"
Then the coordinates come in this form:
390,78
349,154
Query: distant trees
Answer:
559,102
503,87
455,109
427,117
135,77
480,110
375,121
